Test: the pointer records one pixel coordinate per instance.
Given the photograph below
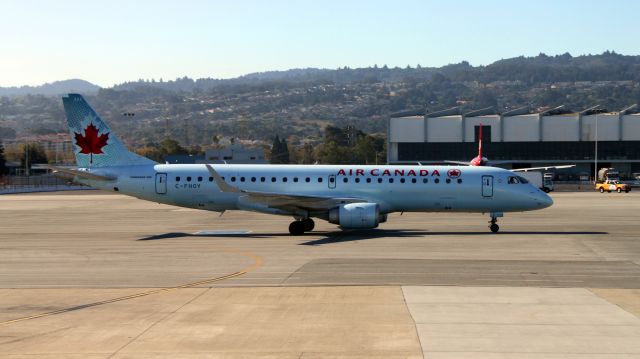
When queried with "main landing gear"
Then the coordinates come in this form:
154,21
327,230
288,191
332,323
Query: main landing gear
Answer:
298,227
493,226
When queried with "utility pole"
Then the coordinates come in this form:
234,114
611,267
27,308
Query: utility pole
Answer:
26,159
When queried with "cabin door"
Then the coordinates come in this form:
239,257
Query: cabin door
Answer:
161,183
332,181
487,186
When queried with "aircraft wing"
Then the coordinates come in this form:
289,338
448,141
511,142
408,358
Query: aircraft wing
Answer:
540,168
82,174
458,163
283,200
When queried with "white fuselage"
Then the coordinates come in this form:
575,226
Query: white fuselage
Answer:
394,188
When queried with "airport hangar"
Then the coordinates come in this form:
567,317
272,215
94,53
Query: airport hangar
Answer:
520,138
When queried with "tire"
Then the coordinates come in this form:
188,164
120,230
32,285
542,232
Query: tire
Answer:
546,190
619,190
309,224
296,228
494,228
601,190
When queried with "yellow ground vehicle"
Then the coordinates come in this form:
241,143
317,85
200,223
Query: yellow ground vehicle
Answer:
612,185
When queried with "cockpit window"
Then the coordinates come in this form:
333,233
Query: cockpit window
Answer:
513,180
523,180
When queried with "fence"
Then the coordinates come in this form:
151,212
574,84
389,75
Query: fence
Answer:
39,183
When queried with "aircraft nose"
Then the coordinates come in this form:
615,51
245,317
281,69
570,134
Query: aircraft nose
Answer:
543,199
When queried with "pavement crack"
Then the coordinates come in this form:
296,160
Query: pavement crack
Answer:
157,322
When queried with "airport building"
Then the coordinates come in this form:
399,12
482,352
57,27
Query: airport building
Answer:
520,138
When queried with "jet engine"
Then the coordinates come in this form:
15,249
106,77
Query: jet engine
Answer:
357,215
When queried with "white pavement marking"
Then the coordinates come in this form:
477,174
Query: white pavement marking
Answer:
503,322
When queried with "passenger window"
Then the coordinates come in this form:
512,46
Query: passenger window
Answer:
295,179
448,180
345,180
253,179
379,180
390,180
273,179
262,179
210,179
199,179
188,179
319,179
178,179
459,180
284,179
241,179
307,179
332,179
233,179
437,180
425,180
401,180
413,180
357,180
368,180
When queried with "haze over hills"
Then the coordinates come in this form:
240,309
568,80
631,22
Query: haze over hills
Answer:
52,89
608,66
299,104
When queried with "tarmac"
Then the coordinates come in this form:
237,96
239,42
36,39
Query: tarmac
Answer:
101,275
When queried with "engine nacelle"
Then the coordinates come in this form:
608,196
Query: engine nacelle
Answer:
357,215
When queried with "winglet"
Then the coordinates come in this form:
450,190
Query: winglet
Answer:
224,186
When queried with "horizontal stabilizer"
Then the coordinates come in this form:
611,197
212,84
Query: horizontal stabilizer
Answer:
82,174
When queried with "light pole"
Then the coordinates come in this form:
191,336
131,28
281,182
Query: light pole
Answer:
595,177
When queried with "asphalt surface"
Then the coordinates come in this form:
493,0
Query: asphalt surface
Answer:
88,275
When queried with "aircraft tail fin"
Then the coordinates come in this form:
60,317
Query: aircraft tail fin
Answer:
95,145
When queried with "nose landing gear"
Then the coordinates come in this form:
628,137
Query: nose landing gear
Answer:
493,226
298,227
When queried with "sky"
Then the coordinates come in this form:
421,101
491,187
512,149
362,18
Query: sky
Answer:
109,42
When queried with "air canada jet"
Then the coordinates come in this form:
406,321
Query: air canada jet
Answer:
480,160
351,196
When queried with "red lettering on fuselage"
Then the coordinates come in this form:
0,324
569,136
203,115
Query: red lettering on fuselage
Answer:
386,173
399,172
359,172
374,172
435,173
341,172
424,173
411,173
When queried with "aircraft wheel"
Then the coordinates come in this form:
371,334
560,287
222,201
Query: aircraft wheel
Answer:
296,228
494,228
309,224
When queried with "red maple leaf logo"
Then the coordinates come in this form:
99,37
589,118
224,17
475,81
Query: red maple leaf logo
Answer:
91,143
454,173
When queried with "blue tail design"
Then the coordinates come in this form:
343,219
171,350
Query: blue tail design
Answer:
95,145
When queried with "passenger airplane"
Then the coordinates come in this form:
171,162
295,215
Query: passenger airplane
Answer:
480,160
349,196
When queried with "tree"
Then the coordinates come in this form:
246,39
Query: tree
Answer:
33,153
169,146
3,162
279,151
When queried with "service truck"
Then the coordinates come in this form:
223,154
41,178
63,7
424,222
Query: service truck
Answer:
535,178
